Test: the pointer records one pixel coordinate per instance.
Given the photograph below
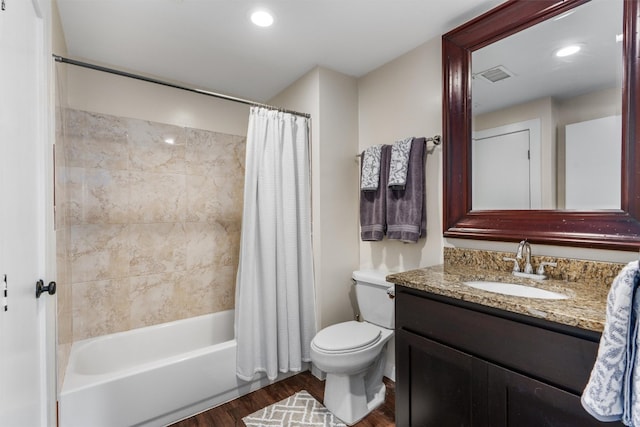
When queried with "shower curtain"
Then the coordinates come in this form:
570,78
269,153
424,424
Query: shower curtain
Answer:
275,300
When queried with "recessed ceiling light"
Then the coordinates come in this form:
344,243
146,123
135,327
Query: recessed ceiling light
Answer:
262,18
568,50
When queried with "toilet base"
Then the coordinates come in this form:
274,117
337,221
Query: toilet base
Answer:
345,396
352,396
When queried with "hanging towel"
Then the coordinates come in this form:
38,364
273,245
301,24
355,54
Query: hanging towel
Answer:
406,209
613,390
399,163
370,173
373,203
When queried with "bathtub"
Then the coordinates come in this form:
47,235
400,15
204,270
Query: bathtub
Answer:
153,376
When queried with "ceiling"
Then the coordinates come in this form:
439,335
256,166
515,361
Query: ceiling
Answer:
212,45
537,73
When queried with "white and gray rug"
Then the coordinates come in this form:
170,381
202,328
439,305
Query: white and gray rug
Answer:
298,410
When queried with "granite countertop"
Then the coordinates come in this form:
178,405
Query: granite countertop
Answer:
585,308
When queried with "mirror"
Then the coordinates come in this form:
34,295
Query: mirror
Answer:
554,218
546,122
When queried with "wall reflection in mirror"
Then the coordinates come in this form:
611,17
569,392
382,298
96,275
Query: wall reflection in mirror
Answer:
547,128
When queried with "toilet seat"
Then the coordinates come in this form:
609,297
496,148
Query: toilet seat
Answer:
347,337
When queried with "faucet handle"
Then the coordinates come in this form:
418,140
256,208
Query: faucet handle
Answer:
520,249
540,270
516,266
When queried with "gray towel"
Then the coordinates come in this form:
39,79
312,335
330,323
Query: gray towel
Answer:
399,165
406,209
370,169
612,392
373,203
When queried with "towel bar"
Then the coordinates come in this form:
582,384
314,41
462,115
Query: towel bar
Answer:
436,139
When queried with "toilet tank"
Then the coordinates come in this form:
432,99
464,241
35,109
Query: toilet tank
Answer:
374,303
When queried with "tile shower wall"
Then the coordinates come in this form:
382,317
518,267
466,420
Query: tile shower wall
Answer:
153,228
63,265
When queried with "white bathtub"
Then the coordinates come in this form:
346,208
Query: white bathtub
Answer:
153,376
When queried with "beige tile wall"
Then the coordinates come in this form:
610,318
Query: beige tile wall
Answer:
153,228
63,235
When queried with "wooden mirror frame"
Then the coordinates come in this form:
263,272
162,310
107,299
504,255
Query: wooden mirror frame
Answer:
607,229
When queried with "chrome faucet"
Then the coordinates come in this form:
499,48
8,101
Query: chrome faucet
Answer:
524,251
524,248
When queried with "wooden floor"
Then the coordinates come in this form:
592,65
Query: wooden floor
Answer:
230,414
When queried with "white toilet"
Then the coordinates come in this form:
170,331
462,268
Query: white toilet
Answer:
353,353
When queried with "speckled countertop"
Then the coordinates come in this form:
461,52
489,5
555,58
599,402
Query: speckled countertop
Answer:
585,307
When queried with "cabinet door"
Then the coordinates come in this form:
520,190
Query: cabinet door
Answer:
519,401
437,385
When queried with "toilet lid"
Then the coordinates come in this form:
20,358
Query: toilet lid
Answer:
347,336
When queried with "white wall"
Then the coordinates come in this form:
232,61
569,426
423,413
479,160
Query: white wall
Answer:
404,98
331,99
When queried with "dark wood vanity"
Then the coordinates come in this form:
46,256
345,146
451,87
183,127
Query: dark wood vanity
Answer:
470,358
461,363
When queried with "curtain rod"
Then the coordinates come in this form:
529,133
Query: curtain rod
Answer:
64,60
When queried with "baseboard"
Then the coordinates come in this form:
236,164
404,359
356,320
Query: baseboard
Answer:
390,371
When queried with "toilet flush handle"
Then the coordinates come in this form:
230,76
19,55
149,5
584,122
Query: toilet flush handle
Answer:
391,292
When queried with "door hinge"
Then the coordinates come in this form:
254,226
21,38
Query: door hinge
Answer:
4,293
3,6
528,154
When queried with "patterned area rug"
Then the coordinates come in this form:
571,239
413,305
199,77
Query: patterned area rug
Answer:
298,410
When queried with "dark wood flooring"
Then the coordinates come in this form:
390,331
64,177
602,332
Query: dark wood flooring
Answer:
231,413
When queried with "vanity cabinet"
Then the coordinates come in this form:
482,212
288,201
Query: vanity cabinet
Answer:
465,364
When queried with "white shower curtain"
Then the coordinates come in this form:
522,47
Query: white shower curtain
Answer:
275,300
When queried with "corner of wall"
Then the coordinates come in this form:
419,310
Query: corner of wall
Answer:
331,99
59,43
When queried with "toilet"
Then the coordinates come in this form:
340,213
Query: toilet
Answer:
352,354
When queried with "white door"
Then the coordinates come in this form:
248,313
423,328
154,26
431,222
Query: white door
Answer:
27,394
505,167
593,162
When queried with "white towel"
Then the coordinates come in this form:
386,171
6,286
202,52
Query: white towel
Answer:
612,392
371,168
399,163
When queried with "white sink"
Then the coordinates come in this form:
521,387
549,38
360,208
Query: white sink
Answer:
515,290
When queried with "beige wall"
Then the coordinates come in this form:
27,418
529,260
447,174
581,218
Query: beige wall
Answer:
338,208
403,98
105,93
590,106
331,99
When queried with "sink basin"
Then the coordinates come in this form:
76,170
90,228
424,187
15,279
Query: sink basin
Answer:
515,290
